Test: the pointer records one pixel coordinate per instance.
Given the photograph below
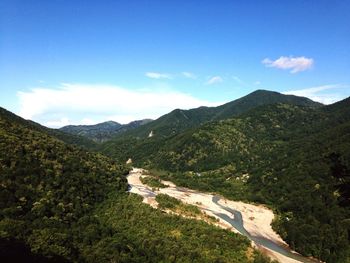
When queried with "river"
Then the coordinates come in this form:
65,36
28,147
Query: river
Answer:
237,223
255,224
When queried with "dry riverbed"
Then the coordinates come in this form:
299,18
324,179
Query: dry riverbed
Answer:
256,219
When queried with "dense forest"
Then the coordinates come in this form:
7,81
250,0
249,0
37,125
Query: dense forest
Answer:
294,158
61,203
139,146
301,171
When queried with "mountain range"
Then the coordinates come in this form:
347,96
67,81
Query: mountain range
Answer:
62,203
179,120
103,131
287,152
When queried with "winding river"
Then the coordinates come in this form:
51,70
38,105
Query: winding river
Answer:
210,204
237,223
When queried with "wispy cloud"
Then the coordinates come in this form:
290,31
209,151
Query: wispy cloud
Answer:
295,64
157,75
87,104
214,80
238,80
325,94
189,75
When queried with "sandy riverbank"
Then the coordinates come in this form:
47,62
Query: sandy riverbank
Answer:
256,219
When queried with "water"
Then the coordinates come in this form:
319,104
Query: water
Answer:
237,223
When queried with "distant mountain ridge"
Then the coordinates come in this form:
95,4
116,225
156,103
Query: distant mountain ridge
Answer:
139,146
179,120
103,131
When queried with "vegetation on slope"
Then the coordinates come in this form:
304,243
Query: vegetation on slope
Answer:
294,158
137,144
72,139
144,234
60,203
48,186
179,120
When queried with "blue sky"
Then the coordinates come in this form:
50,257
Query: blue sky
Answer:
72,62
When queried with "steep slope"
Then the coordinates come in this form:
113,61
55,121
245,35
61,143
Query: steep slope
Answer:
65,137
179,120
47,186
259,98
102,131
60,203
138,145
241,140
293,158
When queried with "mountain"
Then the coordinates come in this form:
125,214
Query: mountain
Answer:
102,131
61,203
260,98
46,186
294,158
138,145
60,135
179,120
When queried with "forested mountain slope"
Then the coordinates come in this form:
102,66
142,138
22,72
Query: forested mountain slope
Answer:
48,186
138,145
293,158
60,203
77,140
179,120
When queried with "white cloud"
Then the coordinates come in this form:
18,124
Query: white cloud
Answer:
88,104
157,75
325,94
58,123
189,75
214,80
257,82
295,64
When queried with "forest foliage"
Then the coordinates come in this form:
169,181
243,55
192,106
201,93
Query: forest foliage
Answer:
60,203
293,158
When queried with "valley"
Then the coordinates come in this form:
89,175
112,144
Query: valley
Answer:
174,131
268,169
250,220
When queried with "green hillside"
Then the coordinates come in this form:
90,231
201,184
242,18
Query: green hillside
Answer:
60,203
179,120
137,144
294,158
48,186
77,140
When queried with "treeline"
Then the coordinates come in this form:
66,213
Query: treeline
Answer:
60,203
293,158
144,234
46,187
